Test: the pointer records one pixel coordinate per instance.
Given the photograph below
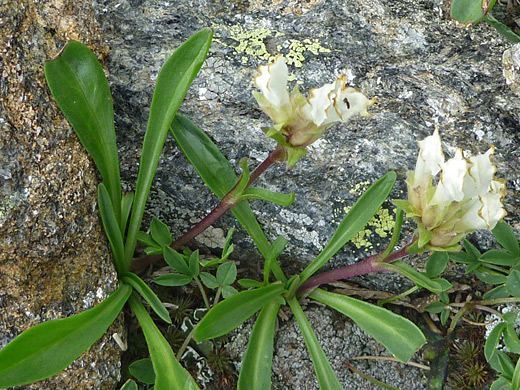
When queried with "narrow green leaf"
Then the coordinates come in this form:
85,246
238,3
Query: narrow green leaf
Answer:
497,292
216,171
244,177
471,250
126,208
507,238
506,365
502,29
370,379
79,86
129,385
149,296
415,276
493,340
498,257
250,283
326,377
232,312
160,233
146,239
255,373
276,250
489,276
48,348
226,273
228,249
173,280
169,373
194,264
176,261
511,339
142,370
364,209
513,283
515,384
400,336
436,264
269,196
111,225
173,82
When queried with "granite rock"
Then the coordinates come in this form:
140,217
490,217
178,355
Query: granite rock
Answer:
54,258
424,71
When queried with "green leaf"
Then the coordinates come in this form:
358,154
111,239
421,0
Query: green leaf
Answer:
129,385
79,86
507,238
169,373
276,250
506,365
511,339
501,384
326,377
255,373
228,249
445,315
418,278
232,312
470,12
173,81
510,317
228,291
435,307
149,296
364,209
462,258
250,283
497,292
243,180
216,171
48,348
160,233
194,264
209,280
269,196
498,257
142,370
111,226
492,342
436,264
176,261
502,29
226,273
490,276
471,250
515,384
400,336
146,239
126,208
173,280
513,283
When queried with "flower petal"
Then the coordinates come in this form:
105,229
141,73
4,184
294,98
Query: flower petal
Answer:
272,81
481,173
450,185
429,160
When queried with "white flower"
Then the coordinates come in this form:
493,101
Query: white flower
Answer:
300,121
467,196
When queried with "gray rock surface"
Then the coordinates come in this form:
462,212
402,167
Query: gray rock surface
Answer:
423,70
54,258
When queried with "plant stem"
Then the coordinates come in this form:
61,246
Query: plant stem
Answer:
217,296
369,265
185,343
227,203
201,288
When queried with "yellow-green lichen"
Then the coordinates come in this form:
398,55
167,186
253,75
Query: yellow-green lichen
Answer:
381,224
252,44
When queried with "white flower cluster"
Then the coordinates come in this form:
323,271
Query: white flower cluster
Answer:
300,121
467,196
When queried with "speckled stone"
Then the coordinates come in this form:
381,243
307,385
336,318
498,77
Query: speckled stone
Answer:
54,258
424,71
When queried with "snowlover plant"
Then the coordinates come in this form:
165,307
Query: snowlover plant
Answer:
468,200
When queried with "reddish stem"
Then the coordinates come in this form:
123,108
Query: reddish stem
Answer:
227,203
367,266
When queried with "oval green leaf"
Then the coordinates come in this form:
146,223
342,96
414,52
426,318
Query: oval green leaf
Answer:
80,88
142,370
50,347
513,283
400,336
226,273
233,311
173,280
507,238
168,371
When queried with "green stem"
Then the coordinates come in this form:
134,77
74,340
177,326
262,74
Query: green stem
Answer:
202,291
396,297
185,343
217,296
